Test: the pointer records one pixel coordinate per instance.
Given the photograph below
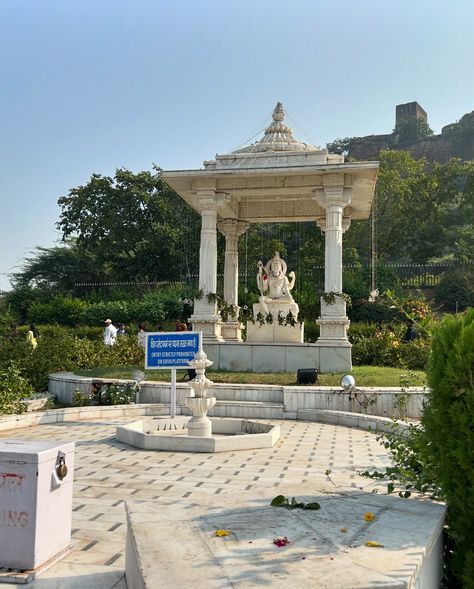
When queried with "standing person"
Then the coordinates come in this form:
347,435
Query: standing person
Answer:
32,336
180,326
411,332
141,336
110,333
121,329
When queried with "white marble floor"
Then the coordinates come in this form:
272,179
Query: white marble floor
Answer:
109,473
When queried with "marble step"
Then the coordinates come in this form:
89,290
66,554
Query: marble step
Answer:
223,408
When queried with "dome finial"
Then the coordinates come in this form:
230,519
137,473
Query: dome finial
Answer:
278,114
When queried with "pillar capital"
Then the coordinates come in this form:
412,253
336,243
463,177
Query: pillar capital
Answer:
333,196
209,199
232,227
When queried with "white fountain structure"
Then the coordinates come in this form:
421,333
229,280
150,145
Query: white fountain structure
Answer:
198,433
200,425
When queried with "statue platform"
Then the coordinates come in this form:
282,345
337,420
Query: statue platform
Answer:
280,357
275,332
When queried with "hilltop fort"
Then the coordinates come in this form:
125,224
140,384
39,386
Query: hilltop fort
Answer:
412,133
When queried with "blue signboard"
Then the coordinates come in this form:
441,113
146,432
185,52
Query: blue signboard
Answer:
171,349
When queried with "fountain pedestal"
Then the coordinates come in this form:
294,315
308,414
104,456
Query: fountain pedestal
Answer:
200,424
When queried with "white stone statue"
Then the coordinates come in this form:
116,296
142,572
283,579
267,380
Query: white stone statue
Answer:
274,286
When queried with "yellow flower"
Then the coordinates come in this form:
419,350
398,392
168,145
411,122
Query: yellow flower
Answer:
369,516
221,533
372,544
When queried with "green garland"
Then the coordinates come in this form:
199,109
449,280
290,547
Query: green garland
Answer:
330,297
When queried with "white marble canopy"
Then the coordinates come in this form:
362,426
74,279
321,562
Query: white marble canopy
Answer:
276,179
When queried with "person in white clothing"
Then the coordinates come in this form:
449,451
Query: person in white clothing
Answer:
141,335
110,333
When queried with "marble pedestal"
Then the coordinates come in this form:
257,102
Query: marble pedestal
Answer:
210,325
334,347
274,332
231,331
200,425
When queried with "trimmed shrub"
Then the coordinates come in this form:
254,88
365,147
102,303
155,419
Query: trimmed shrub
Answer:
449,423
118,311
377,312
14,389
61,310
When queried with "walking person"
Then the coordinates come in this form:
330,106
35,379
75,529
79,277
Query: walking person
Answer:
110,333
32,336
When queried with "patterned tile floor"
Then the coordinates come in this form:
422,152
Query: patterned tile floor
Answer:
108,473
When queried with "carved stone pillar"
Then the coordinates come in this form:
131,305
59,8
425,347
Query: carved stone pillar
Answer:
231,329
205,317
333,321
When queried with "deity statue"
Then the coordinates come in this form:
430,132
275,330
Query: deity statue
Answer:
273,285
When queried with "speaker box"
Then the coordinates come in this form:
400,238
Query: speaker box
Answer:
307,376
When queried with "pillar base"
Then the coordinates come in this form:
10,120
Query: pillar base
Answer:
231,331
210,325
333,323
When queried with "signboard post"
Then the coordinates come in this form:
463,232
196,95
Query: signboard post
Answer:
173,350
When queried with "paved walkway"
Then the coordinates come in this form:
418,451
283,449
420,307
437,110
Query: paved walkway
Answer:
108,473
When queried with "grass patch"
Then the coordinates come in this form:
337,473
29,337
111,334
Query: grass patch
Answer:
365,376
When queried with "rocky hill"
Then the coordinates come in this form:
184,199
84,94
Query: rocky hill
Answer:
413,134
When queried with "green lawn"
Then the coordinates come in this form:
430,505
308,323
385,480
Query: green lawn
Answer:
368,376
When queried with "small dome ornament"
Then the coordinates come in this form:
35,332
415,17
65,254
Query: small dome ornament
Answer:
348,383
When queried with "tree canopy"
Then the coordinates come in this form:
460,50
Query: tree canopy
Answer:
135,226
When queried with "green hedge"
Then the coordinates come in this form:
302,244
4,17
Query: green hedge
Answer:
372,347
449,423
152,308
14,389
60,349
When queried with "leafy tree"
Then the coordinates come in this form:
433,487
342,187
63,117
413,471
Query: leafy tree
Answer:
412,130
133,224
59,268
418,207
342,146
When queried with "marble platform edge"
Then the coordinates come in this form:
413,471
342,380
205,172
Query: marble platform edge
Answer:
421,571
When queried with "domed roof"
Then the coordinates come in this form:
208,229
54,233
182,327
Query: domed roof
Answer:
277,137
276,149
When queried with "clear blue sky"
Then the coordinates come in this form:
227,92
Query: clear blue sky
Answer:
91,85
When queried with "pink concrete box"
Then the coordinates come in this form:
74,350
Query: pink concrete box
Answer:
35,502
